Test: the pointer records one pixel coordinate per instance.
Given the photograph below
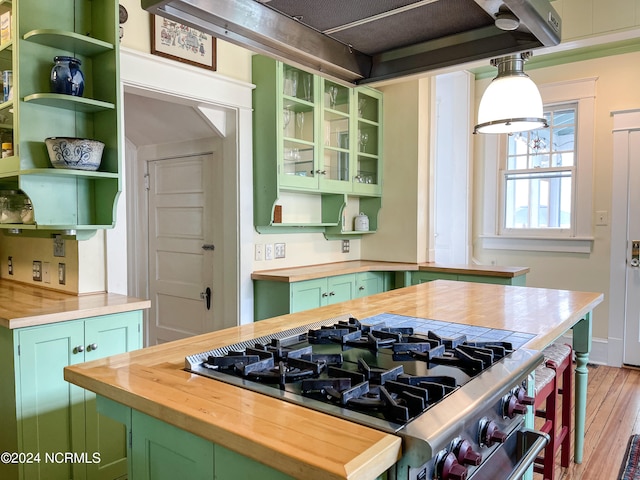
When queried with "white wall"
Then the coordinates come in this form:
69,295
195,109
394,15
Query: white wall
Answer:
232,61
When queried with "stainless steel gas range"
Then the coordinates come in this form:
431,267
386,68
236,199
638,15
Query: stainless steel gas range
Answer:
456,394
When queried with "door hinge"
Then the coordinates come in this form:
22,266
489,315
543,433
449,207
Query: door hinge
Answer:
130,439
147,182
18,350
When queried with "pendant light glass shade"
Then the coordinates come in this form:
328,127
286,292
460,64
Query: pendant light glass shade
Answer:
511,103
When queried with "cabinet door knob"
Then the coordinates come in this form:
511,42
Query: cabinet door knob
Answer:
93,346
78,349
361,287
331,294
325,294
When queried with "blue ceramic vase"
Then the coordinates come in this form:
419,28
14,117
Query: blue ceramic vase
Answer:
66,76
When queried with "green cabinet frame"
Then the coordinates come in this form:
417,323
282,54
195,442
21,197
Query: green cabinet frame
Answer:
64,200
306,141
44,414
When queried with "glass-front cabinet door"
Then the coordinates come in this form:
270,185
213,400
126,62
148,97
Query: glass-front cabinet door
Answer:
335,172
298,162
368,168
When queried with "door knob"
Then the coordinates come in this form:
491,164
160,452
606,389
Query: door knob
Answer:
93,346
206,296
78,349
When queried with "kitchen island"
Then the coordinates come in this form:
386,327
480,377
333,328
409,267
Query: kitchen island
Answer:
306,444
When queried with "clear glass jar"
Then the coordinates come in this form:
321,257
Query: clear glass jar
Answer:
15,207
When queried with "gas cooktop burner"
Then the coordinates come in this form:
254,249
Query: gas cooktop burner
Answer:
394,373
439,385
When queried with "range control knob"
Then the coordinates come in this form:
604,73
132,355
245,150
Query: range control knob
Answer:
490,433
448,468
465,454
512,407
523,398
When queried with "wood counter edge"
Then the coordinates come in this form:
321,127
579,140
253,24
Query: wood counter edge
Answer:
75,314
484,270
311,272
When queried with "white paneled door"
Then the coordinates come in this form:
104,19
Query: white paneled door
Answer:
632,317
181,249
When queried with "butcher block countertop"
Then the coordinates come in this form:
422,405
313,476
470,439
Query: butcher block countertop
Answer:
293,439
23,305
310,272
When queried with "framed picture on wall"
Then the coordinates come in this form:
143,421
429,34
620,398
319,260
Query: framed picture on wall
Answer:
184,44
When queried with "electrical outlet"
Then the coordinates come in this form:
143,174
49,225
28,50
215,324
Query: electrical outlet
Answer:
62,274
58,246
37,271
259,253
268,251
279,250
46,274
10,265
345,246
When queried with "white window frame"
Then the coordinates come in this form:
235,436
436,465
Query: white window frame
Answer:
579,238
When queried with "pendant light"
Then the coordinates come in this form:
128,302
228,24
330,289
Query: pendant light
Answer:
511,103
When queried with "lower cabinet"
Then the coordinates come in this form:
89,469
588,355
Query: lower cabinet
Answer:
160,451
422,277
279,298
54,423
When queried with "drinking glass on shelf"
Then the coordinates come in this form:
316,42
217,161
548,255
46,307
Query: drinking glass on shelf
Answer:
306,86
333,94
364,138
362,103
300,123
291,83
286,118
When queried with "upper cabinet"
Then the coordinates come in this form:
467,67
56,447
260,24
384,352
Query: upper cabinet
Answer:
313,136
63,199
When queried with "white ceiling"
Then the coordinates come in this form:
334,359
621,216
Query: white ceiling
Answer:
149,121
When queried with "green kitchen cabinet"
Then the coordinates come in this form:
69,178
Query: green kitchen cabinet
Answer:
160,451
421,277
75,202
370,283
273,298
45,415
320,292
310,138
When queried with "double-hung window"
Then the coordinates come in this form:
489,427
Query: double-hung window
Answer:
538,184
539,176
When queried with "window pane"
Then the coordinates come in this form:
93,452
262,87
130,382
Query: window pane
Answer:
537,195
564,138
538,201
539,141
517,163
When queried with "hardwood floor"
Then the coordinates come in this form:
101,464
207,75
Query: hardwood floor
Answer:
613,414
